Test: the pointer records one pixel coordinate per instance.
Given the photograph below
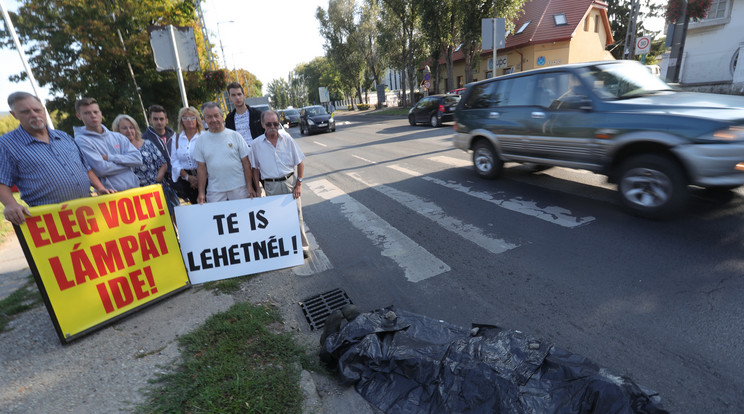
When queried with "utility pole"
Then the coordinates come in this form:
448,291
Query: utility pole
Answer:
630,35
678,46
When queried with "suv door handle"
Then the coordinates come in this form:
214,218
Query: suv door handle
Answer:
538,115
494,115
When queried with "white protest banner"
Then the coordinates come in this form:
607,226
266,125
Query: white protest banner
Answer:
239,237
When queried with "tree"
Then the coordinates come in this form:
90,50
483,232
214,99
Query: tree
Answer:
278,91
7,123
73,52
618,12
405,13
344,42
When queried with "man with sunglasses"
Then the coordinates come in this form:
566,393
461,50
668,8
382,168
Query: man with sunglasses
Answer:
222,157
274,157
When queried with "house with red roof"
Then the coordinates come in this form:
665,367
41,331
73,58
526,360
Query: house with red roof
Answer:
549,33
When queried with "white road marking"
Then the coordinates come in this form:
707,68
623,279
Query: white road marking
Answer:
455,162
317,262
417,263
438,216
552,214
364,159
320,143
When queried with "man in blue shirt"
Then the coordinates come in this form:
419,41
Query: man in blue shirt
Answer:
110,154
45,164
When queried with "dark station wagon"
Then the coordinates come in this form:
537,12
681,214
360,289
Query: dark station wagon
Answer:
612,118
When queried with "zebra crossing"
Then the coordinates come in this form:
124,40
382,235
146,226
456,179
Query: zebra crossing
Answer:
416,262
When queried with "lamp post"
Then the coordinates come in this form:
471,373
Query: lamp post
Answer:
224,59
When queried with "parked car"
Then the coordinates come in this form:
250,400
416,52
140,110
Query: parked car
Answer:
434,110
457,91
315,119
289,116
613,118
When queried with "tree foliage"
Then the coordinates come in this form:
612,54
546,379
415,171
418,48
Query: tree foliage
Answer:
618,12
7,123
74,49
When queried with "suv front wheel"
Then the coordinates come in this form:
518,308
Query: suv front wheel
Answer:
652,186
485,160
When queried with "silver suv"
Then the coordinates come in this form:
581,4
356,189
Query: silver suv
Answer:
612,118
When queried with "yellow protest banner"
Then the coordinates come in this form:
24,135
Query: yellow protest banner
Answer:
97,259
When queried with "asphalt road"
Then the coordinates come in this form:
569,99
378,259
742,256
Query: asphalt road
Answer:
403,220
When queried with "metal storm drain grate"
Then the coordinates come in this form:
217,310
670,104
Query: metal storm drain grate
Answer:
317,308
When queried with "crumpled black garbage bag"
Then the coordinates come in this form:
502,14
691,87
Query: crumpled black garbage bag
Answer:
402,362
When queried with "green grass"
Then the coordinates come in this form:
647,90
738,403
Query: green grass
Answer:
19,301
393,111
227,286
233,363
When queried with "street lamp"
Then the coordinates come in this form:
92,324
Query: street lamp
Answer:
224,60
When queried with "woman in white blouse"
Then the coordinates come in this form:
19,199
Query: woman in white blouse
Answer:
182,153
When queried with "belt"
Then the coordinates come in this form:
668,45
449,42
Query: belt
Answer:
273,180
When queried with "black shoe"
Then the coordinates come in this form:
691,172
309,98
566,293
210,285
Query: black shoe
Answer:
305,254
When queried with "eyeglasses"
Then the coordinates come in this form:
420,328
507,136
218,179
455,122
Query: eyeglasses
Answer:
272,124
189,118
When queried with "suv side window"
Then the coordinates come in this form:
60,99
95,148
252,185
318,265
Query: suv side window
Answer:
520,91
481,96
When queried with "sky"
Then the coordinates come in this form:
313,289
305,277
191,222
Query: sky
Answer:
266,38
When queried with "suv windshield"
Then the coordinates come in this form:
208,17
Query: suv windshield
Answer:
623,81
316,110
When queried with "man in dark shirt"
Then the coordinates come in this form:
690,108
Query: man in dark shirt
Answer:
161,135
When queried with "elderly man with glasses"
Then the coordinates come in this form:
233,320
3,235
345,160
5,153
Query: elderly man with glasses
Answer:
274,157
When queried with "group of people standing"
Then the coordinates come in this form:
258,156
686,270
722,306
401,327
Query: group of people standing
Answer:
232,159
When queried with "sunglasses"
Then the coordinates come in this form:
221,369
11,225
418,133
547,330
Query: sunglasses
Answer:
189,118
272,124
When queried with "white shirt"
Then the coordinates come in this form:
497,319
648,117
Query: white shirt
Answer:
243,126
183,157
222,153
276,162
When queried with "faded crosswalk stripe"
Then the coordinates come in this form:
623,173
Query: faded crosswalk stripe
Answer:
434,213
553,214
417,263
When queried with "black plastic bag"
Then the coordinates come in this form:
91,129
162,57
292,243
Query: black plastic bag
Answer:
402,362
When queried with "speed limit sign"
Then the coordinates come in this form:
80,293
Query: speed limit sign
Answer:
643,45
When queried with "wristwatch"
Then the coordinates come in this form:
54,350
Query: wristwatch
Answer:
299,179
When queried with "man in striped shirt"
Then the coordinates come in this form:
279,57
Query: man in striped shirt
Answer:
45,164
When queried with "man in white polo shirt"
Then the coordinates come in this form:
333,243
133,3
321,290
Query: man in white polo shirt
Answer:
222,157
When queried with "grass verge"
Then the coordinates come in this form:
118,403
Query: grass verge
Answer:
227,286
19,301
393,111
233,363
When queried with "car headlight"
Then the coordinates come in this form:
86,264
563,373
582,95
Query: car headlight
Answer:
331,120
732,133
310,122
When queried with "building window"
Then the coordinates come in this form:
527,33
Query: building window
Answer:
586,24
560,19
718,10
459,82
596,23
524,26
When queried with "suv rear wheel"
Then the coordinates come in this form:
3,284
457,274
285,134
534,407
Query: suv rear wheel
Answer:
652,186
485,160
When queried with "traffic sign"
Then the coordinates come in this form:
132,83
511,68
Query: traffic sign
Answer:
427,76
643,45
427,84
